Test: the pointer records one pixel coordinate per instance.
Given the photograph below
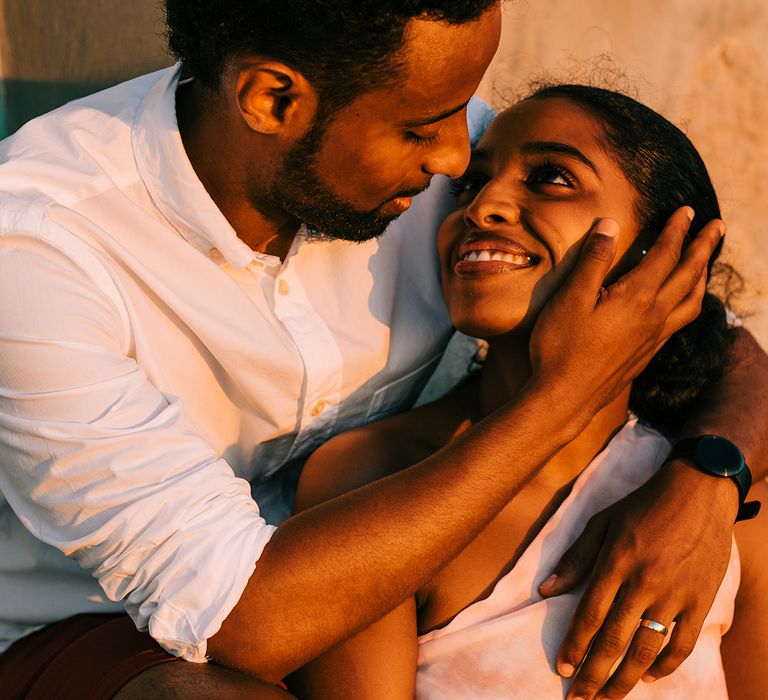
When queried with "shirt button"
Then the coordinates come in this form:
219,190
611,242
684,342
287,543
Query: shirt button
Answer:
216,255
318,408
282,288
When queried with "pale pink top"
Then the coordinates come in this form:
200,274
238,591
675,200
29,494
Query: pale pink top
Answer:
506,645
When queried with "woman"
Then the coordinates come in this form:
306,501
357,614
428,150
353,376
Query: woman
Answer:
542,174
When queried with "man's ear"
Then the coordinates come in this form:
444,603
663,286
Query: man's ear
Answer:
274,98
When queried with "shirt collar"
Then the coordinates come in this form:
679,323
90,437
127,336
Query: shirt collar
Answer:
172,182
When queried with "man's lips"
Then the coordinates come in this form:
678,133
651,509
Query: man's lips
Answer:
401,203
403,200
492,251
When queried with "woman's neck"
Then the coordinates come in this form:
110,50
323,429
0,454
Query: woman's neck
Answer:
507,370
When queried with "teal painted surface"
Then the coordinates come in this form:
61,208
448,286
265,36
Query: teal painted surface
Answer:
25,99
3,122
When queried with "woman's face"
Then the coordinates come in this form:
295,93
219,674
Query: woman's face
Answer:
537,182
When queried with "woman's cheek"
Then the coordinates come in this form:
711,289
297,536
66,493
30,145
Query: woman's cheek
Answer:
448,235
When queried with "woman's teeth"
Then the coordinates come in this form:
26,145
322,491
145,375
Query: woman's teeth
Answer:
488,255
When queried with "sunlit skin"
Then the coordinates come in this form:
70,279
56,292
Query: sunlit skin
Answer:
392,141
375,152
239,139
536,183
383,145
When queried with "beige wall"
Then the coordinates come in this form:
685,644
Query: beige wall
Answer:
702,63
52,51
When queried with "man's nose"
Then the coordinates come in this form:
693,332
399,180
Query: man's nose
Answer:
450,156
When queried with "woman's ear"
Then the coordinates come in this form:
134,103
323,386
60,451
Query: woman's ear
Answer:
273,98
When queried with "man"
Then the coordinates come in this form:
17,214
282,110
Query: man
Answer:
181,309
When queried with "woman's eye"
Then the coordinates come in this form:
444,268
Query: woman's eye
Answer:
468,183
550,175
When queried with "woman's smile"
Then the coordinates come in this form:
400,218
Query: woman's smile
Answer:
484,252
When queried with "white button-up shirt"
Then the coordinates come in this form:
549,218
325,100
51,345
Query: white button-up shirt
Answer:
160,382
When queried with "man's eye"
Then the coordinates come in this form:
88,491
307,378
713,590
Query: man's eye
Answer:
422,139
468,183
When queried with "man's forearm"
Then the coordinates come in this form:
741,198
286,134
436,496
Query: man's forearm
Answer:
336,568
736,407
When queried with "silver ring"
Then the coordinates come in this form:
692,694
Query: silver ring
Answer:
654,626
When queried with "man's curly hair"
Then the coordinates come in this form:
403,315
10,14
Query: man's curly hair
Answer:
343,47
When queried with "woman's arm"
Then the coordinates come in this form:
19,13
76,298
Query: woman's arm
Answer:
745,646
380,661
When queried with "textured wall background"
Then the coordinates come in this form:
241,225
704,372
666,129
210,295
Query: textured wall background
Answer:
52,51
702,63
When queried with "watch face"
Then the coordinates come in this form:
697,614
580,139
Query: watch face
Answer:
719,456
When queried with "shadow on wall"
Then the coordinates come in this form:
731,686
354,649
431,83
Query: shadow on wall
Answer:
56,52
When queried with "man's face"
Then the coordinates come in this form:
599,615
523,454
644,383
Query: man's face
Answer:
350,177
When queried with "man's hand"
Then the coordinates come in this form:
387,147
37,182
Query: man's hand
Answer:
629,320
660,553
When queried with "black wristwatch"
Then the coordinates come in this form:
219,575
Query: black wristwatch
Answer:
717,456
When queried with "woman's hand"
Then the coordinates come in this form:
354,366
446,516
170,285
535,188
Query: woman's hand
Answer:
660,553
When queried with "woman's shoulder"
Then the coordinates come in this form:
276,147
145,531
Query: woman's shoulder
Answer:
374,451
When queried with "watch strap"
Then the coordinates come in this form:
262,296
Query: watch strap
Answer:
687,449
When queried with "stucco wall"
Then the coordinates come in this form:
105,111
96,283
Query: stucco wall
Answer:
703,63
52,51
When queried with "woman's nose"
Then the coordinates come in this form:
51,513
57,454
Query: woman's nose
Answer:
488,209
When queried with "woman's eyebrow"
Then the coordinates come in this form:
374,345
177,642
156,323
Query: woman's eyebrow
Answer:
537,147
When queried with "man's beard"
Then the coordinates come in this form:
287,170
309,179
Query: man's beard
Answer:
298,191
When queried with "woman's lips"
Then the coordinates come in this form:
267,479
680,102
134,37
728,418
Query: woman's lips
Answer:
492,252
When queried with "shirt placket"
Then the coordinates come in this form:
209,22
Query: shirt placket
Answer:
319,351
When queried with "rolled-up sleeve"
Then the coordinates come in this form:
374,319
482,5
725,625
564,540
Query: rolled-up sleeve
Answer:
97,462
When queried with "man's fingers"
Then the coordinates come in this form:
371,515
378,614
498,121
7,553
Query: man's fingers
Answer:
587,620
682,640
607,647
693,265
686,311
663,256
578,561
595,261
643,650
